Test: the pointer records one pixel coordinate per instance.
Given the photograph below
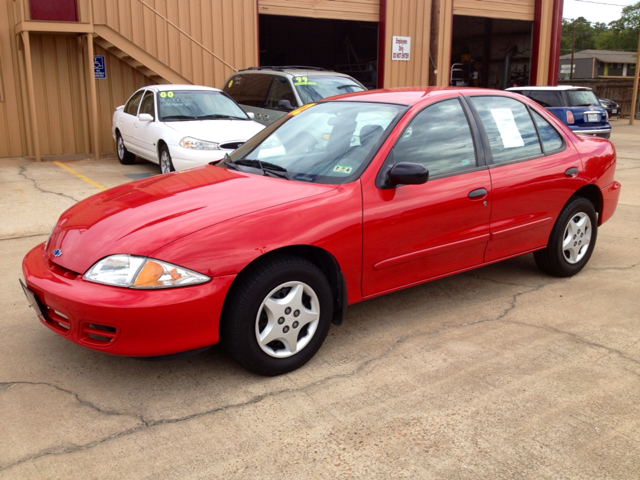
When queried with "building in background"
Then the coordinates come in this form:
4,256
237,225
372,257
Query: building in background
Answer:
598,64
66,64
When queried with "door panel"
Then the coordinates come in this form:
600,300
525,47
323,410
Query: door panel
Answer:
417,232
527,199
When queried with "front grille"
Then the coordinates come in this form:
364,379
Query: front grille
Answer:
231,145
96,334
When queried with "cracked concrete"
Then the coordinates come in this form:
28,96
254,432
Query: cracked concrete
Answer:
501,372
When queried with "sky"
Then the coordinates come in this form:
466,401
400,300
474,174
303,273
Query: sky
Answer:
595,10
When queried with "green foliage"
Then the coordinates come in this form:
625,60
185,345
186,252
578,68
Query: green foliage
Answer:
621,34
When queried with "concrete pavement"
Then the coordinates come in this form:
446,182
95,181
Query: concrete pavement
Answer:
501,373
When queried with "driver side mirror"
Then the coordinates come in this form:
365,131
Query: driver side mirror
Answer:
285,105
251,115
406,173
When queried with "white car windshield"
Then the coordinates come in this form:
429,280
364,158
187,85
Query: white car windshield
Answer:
181,105
316,87
329,143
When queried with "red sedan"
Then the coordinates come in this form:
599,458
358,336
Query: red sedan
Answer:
335,203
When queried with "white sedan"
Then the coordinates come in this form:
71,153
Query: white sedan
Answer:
180,126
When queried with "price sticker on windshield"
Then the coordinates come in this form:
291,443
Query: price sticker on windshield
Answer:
302,81
166,94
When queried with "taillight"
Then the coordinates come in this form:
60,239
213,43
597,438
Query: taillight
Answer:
570,118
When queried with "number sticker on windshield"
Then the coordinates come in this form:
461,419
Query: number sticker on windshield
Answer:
343,169
302,81
301,109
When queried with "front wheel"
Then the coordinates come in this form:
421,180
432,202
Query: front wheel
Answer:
166,164
572,240
278,317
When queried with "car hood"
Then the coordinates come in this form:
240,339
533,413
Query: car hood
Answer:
217,130
140,217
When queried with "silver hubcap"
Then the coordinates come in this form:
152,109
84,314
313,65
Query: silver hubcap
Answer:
120,148
287,319
165,162
577,236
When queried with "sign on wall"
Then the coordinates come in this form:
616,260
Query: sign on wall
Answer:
401,48
99,67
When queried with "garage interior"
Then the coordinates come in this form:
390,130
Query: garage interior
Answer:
498,49
345,46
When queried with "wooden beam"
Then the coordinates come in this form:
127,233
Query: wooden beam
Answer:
32,96
52,27
634,95
93,98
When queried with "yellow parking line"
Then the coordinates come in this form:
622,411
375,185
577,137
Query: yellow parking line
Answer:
81,177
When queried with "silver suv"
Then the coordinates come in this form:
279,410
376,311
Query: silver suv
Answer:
271,92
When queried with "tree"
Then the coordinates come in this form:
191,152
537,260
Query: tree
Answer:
623,33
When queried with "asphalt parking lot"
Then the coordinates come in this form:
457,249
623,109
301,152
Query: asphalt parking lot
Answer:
501,372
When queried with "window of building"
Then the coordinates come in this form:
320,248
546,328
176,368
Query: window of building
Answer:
509,128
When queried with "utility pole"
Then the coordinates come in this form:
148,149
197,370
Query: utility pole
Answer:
573,45
634,96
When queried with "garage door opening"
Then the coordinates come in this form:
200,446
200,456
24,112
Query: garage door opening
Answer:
345,46
491,52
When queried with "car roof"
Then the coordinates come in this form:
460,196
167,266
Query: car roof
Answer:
170,87
556,88
414,95
291,70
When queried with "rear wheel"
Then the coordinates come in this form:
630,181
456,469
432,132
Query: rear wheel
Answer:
124,156
278,317
572,240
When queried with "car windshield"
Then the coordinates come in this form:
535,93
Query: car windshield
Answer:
180,105
582,98
329,143
316,87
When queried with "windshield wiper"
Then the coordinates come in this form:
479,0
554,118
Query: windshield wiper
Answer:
267,168
226,161
342,87
217,116
178,117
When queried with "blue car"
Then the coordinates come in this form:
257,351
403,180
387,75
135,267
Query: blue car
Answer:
576,107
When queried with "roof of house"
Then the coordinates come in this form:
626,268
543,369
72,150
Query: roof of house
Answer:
610,56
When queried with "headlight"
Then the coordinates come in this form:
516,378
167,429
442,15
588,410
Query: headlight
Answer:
132,271
195,144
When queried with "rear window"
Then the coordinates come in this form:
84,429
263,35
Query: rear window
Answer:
582,98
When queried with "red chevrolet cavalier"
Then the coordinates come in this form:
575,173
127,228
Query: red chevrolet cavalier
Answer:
335,203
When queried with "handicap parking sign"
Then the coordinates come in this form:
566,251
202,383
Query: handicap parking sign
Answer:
99,67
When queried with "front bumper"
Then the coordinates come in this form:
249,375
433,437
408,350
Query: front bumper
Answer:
184,158
125,321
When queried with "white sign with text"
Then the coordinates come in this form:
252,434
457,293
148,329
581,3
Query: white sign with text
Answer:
401,49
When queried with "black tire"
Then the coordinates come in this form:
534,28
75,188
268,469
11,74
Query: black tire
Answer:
164,160
247,315
573,226
124,156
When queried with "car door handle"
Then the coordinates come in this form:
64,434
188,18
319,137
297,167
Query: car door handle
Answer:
571,172
477,193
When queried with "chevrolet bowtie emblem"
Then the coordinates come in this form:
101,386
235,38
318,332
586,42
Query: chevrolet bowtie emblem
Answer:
57,252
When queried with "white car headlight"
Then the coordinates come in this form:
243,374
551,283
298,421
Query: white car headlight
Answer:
195,144
132,271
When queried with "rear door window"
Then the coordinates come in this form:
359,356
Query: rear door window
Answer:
545,98
249,90
509,128
132,105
